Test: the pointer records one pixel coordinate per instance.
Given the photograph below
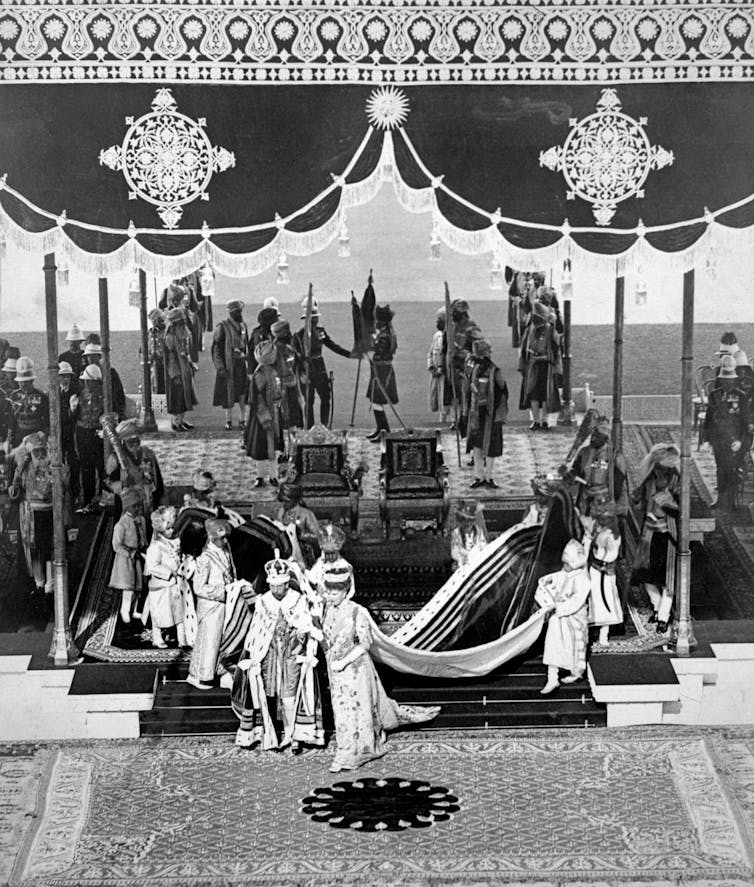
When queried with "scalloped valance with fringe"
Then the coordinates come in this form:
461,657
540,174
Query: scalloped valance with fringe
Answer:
303,156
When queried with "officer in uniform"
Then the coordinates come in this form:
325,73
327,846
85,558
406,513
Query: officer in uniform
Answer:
8,385
382,388
31,407
591,470
74,356
314,369
728,428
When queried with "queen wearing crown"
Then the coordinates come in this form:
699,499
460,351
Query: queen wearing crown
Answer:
362,710
331,563
276,673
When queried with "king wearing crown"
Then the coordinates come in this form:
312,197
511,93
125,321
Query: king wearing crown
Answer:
275,679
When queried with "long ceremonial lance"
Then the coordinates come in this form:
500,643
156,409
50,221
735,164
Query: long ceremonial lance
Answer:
357,347
308,353
449,370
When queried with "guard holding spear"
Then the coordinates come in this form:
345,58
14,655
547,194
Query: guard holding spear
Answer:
450,369
308,343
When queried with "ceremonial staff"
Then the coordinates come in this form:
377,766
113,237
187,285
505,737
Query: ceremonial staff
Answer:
308,353
450,349
358,347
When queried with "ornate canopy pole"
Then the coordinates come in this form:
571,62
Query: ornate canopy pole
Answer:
685,639
566,413
620,288
147,420
104,327
63,651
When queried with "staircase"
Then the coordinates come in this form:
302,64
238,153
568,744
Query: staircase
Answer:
509,699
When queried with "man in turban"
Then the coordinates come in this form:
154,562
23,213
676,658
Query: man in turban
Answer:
592,468
140,469
264,435
230,355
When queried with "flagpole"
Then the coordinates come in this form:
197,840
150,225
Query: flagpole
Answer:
449,369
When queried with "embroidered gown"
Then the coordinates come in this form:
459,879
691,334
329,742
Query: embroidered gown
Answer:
362,709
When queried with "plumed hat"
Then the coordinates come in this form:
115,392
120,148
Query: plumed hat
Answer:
315,308
727,367
36,441
235,304
265,353
383,314
277,570
92,348
270,302
267,316
331,538
25,370
11,360
574,555
130,496
202,481
64,368
75,334
163,518
91,374
217,528
128,429
280,328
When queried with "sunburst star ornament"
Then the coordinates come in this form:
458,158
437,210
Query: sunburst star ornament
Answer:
387,108
606,157
167,158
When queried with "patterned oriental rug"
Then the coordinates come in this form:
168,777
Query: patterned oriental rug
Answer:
561,808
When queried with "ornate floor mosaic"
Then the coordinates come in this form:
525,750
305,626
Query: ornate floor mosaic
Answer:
549,808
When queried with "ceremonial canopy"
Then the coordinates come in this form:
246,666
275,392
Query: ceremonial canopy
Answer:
167,135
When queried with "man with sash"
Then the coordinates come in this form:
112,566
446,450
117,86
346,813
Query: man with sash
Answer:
276,672
214,579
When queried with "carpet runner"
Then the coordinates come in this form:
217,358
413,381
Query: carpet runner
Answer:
551,808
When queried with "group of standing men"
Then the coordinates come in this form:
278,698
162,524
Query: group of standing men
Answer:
465,379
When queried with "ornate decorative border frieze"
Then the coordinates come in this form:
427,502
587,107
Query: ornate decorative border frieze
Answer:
352,41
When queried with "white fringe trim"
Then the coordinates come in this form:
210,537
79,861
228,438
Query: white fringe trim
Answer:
718,241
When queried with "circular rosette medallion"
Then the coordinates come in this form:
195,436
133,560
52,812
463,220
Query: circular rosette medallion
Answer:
167,158
373,805
606,158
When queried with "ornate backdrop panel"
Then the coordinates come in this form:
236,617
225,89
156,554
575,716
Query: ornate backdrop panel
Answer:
535,133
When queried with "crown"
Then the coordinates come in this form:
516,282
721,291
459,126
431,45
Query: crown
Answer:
331,538
277,570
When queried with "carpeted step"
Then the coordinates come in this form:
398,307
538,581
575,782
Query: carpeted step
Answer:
499,700
187,721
